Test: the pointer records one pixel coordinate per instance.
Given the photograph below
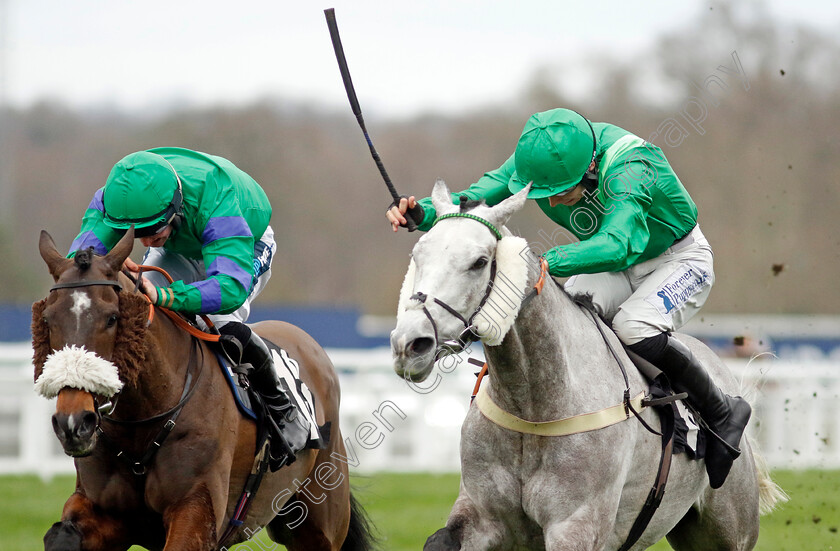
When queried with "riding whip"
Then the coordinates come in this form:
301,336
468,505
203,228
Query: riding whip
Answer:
357,109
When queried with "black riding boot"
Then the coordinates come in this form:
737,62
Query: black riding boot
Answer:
287,433
724,415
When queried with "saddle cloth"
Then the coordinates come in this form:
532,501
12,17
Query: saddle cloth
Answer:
288,370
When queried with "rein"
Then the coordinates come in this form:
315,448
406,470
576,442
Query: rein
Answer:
176,319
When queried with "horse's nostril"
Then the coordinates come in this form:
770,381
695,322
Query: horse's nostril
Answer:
88,423
422,345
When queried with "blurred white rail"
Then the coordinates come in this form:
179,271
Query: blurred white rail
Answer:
390,425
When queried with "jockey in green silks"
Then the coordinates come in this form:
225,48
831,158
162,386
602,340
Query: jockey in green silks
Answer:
636,248
206,222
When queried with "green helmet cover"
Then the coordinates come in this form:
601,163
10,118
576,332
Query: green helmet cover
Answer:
553,153
141,191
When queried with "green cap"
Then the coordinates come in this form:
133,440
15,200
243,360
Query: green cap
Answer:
553,153
143,190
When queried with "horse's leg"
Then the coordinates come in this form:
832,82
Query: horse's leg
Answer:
82,527
321,506
465,529
726,518
190,522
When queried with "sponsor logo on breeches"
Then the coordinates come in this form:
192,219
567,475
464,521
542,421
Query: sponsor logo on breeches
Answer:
677,289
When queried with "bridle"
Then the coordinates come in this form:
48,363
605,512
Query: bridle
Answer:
73,284
469,335
105,411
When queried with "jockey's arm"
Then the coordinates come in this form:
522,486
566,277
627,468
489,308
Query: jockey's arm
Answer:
616,245
94,232
492,188
223,233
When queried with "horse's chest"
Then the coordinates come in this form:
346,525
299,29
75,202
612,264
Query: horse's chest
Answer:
113,492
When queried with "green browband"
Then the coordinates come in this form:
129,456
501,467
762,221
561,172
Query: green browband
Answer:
490,226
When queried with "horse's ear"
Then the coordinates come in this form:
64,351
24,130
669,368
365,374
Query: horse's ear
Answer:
503,211
121,250
56,262
442,198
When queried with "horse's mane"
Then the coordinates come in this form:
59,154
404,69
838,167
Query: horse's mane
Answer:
466,204
84,259
129,344
587,302
584,300
40,337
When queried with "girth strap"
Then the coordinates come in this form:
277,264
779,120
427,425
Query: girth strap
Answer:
657,492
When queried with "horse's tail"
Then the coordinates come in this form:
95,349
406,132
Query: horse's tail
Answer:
770,494
360,536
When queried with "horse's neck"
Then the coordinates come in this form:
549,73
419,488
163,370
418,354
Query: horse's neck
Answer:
551,349
169,353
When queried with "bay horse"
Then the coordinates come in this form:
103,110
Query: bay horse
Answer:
548,360
144,477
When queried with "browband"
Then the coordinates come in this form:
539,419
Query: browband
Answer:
490,226
72,284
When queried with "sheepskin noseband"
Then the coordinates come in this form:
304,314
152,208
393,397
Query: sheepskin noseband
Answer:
499,312
76,367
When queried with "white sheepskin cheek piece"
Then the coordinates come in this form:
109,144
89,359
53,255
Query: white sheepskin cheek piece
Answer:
75,367
407,288
499,312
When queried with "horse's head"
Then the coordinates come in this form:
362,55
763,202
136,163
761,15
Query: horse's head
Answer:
79,337
450,281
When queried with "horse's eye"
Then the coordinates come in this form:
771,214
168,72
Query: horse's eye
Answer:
112,320
45,320
479,264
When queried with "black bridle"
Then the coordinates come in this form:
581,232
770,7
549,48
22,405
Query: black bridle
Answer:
139,465
468,335
106,410
73,284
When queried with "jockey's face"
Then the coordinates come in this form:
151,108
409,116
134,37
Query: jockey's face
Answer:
158,239
567,198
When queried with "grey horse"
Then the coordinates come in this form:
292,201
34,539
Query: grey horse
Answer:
548,360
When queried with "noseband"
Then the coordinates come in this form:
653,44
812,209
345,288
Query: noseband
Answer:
468,335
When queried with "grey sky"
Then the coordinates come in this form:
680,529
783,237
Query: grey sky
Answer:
405,57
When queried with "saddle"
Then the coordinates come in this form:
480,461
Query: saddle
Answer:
689,437
249,403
